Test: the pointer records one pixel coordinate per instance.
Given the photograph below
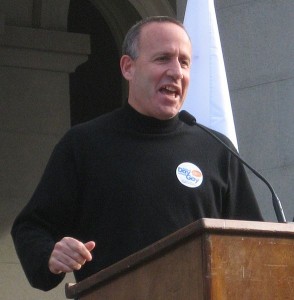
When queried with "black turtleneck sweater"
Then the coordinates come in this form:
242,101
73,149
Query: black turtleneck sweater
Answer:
118,180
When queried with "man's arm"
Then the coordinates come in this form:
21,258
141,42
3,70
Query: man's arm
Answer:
51,214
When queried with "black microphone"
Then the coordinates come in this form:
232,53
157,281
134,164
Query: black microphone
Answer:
191,120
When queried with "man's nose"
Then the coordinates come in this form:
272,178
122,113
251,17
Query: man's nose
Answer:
175,71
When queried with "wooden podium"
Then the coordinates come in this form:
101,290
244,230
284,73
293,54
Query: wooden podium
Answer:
208,259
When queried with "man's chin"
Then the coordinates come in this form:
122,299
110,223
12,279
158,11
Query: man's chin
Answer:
166,114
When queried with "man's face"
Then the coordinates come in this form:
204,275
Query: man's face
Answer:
159,77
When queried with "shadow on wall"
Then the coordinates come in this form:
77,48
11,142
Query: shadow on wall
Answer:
95,86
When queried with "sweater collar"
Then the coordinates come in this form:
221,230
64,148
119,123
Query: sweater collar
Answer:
144,124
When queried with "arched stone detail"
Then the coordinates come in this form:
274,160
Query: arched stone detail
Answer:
153,8
119,22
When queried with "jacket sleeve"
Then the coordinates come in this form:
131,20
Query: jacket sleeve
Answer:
49,216
241,201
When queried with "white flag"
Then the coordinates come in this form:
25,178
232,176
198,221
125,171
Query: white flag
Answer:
208,97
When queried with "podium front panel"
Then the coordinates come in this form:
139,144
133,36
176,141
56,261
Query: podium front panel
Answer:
251,267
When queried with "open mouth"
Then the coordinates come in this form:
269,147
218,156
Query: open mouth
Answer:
170,90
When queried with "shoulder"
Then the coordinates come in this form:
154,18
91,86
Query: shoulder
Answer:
208,137
95,127
89,132
224,139
218,137
102,122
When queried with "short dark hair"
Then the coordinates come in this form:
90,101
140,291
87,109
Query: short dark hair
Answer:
131,41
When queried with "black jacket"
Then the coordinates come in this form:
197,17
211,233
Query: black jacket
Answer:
119,180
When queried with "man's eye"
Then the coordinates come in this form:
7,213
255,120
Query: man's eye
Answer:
162,58
185,63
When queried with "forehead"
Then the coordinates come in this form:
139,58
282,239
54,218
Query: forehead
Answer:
161,35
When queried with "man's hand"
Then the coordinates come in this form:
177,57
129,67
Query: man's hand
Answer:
69,254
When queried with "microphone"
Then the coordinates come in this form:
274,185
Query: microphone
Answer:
191,120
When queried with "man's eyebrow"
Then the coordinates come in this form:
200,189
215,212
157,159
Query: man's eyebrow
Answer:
163,53
170,54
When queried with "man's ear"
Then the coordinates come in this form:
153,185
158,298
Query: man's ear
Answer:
126,66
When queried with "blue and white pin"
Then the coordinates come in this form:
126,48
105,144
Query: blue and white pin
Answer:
189,175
